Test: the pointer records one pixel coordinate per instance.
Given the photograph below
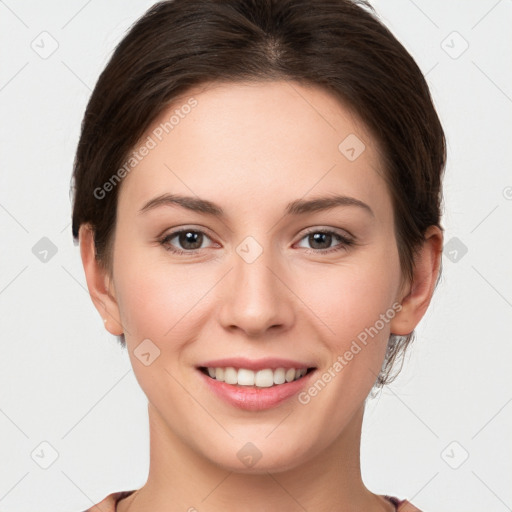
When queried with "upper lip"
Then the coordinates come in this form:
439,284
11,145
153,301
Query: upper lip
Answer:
256,364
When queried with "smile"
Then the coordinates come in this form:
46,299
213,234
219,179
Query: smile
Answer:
264,378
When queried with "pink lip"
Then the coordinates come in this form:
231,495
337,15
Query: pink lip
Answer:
256,364
251,398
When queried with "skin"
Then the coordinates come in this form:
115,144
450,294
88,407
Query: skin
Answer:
251,149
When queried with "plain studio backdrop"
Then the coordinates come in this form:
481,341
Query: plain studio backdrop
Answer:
73,421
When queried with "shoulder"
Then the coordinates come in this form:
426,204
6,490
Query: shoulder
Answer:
403,505
108,504
407,506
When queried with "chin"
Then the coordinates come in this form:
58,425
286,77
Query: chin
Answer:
250,459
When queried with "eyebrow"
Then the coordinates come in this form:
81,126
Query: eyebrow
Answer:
297,207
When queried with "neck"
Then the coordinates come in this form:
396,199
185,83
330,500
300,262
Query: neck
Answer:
182,479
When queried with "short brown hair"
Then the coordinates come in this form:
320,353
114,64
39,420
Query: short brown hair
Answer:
339,45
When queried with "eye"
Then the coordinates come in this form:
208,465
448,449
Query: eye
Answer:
191,240
321,240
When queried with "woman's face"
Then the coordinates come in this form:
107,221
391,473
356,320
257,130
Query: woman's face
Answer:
276,281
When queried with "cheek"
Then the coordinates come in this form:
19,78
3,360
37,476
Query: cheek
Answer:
349,298
159,300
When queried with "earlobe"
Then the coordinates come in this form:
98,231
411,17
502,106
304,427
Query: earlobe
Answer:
99,282
420,291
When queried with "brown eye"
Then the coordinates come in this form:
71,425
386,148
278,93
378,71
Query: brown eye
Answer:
190,239
321,241
185,240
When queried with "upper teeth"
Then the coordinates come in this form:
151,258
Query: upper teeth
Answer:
261,378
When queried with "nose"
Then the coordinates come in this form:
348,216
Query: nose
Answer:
256,298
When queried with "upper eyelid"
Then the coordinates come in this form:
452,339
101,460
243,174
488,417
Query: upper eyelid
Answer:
177,231
337,231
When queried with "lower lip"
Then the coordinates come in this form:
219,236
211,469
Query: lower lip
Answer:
251,398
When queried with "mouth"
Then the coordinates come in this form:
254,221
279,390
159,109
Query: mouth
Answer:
247,378
256,384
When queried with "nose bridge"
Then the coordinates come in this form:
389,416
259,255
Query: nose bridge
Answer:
256,299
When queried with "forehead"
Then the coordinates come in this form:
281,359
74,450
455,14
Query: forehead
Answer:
246,143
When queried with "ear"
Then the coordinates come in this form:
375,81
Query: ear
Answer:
99,283
419,292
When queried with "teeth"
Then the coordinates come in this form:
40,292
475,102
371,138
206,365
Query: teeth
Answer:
264,378
289,375
279,376
261,379
245,377
230,375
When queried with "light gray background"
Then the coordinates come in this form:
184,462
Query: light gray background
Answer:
65,381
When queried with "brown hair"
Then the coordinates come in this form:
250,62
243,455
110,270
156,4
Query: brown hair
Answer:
339,45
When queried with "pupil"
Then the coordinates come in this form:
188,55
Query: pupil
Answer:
319,237
190,237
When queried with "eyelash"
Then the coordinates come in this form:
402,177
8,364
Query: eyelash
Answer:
345,244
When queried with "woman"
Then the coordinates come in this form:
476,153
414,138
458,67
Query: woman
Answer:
257,200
